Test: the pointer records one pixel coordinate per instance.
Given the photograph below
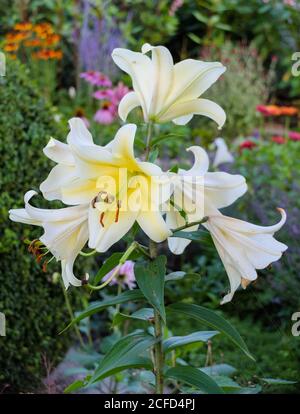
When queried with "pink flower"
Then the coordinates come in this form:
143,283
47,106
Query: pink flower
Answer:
96,78
112,94
294,136
279,140
106,114
118,92
125,275
103,94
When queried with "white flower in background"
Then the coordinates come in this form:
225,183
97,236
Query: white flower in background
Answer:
72,92
125,276
117,188
201,196
65,233
222,155
168,92
244,247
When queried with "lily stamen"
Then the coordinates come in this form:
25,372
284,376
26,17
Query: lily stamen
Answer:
118,211
101,219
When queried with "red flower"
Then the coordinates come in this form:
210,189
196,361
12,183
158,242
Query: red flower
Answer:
247,145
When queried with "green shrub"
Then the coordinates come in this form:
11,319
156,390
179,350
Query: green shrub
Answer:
32,302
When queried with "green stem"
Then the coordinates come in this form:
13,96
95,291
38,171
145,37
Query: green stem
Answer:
71,313
148,142
87,254
122,260
158,330
193,223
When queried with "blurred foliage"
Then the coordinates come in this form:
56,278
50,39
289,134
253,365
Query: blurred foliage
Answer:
271,26
33,304
244,85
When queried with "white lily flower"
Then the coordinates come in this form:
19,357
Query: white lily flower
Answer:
168,92
202,192
65,232
117,188
223,154
244,247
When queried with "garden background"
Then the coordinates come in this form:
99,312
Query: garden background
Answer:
51,50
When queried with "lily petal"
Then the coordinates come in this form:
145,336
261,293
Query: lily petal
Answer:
140,68
153,225
244,247
177,245
163,76
59,152
196,106
192,78
127,104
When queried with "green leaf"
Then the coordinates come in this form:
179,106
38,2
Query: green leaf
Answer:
200,17
179,341
179,275
98,306
110,264
198,235
143,314
195,38
277,381
212,319
76,385
153,155
219,369
125,354
151,280
226,383
194,377
164,137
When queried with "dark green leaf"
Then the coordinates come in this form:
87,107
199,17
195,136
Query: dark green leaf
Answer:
143,314
198,235
179,275
194,377
179,341
94,307
125,354
151,280
211,318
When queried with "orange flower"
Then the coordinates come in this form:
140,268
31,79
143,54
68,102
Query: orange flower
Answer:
289,110
11,47
23,27
42,29
52,39
275,110
46,54
16,37
32,43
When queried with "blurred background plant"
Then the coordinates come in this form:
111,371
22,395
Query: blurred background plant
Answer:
65,47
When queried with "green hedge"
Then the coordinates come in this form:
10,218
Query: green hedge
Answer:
33,304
